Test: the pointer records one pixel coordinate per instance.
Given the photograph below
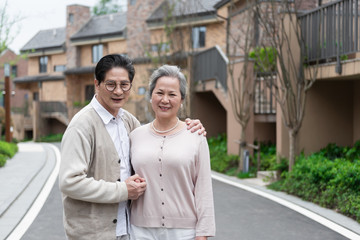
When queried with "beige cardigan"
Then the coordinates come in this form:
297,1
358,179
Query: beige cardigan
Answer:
88,177
179,187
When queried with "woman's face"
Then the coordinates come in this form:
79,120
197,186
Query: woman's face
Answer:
166,97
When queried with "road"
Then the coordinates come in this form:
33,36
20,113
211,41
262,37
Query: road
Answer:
239,215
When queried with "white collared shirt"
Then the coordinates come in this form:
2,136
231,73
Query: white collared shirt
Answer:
117,131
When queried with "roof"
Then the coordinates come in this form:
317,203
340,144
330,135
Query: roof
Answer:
50,38
80,70
103,25
221,3
38,78
184,8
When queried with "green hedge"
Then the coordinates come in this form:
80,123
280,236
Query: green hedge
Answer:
330,178
51,138
7,150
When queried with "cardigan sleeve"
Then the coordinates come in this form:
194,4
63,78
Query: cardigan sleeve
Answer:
203,192
73,179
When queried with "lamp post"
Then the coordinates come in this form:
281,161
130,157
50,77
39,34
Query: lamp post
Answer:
7,102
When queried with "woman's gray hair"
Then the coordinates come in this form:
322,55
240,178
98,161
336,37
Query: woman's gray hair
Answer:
168,71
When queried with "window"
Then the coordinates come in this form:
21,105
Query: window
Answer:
163,47
97,53
59,68
89,92
198,37
36,96
43,61
14,71
71,18
141,90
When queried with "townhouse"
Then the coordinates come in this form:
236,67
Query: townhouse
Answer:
197,35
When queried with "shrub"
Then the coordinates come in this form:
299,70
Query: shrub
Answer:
220,161
3,159
8,149
332,183
51,138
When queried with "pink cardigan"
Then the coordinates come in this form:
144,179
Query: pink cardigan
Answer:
177,170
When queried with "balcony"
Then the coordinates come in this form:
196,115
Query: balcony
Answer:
211,64
331,32
56,110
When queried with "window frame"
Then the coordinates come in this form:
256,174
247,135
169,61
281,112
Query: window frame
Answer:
43,62
97,52
198,37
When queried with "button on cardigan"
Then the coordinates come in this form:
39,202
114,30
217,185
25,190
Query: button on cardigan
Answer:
179,188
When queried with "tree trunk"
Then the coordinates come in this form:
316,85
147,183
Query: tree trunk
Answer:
241,150
292,142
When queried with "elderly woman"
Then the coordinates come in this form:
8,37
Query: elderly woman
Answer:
178,202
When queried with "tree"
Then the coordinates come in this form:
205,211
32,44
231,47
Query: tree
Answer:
241,40
281,29
7,25
106,7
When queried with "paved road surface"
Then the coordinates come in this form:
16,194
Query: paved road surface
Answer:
239,215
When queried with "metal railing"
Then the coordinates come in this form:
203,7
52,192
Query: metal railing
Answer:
53,107
211,64
331,31
264,100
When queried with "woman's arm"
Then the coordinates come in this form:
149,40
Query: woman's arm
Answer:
203,193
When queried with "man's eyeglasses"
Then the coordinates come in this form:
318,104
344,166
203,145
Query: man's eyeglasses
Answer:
111,86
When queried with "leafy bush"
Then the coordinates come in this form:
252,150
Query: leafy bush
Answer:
332,183
265,59
3,159
220,161
51,138
7,150
267,157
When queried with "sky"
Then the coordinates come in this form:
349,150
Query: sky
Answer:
38,15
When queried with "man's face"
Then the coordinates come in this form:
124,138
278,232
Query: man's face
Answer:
116,99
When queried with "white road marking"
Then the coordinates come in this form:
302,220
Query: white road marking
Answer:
326,222
34,210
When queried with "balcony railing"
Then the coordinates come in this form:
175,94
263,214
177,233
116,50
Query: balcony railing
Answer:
331,31
211,64
50,107
264,100
57,110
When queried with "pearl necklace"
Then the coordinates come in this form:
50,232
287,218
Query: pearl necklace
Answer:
165,131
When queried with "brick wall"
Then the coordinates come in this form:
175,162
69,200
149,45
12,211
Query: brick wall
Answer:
81,14
137,32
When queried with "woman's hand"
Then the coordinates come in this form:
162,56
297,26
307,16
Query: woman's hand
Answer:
195,125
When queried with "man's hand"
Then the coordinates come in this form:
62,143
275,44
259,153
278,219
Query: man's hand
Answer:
201,238
136,186
195,125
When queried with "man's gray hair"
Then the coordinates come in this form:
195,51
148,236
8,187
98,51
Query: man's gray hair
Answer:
168,71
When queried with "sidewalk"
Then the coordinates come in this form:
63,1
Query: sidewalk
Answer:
24,176
21,180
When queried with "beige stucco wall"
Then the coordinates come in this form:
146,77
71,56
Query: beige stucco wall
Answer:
356,108
57,59
117,47
53,91
328,116
33,68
